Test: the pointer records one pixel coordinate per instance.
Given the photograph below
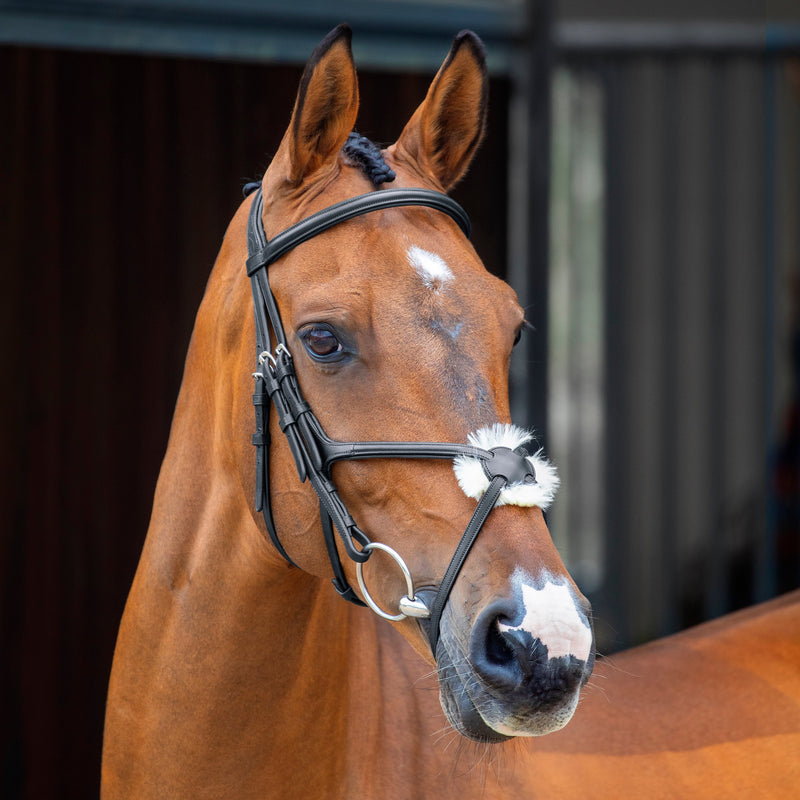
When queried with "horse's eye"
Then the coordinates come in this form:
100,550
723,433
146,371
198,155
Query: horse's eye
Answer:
526,326
321,343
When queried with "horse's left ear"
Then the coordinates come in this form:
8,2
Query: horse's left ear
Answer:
445,131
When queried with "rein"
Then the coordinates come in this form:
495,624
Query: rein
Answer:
314,452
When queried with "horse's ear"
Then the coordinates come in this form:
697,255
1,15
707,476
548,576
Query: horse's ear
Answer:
445,131
326,107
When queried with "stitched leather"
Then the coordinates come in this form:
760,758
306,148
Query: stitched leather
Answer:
339,580
474,526
306,229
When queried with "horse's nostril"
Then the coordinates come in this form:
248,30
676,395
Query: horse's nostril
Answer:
498,648
511,658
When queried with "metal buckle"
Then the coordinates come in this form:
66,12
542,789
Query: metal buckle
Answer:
265,356
410,606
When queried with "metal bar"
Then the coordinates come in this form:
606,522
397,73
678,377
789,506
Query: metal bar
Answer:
538,162
674,38
717,595
528,210
390,34
670,457
766,562
613,608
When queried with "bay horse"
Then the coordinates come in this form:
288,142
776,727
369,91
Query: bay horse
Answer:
374,348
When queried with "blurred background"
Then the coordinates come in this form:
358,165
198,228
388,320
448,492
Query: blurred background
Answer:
639,187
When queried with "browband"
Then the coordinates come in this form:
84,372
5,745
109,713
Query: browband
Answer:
308,228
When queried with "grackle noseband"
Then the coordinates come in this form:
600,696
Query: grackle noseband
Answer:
314,452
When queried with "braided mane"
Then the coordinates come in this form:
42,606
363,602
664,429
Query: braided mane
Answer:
363,153
367,155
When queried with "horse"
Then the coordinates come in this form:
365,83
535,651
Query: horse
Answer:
239,671
348,312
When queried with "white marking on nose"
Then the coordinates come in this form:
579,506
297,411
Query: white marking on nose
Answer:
431,268
552,617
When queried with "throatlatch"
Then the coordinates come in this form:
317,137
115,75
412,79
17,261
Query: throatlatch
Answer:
314,452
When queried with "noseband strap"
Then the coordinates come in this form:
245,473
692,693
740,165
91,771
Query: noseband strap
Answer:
313,451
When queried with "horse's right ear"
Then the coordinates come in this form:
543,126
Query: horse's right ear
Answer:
326,107
442,136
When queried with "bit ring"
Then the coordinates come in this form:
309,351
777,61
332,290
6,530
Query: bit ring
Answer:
409,601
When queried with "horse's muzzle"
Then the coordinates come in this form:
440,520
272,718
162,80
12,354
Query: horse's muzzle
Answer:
509,681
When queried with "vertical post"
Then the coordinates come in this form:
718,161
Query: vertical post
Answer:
529,197
718,594
667,546
766,562
616,598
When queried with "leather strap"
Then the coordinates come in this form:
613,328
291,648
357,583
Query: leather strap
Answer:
479,515
339,580
308,228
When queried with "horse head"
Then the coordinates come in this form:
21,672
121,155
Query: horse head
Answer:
398,334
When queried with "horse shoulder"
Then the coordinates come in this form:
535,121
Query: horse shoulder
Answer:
710,712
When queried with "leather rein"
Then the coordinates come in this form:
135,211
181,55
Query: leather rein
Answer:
313,451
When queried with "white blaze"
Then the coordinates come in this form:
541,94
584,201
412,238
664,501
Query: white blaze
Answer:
431,268
552,617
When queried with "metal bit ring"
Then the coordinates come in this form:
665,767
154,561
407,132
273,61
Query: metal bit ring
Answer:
409,602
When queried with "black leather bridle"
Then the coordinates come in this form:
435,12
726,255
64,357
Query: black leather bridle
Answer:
313,451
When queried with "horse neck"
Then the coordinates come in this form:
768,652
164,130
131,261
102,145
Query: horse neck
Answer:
250,669
223,644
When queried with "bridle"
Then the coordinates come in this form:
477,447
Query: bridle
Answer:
314,452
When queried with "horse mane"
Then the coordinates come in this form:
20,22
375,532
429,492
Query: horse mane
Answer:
367,155
361,152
